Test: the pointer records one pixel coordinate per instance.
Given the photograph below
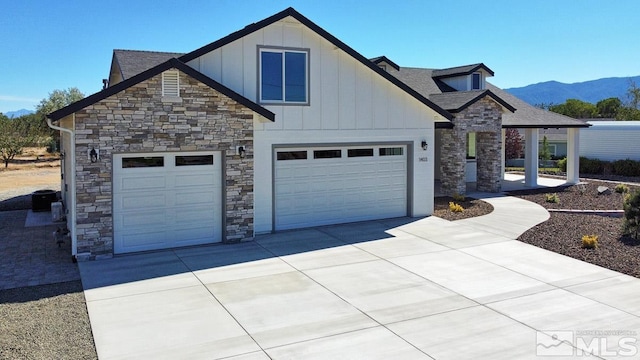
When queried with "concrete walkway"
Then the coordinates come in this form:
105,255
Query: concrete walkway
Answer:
390,289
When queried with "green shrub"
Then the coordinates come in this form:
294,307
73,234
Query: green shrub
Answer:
562,164
458,197
552,198
626,167
590,241
632,214
622,188
591,166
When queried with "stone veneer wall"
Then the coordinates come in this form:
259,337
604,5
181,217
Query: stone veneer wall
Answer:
139,119
484,118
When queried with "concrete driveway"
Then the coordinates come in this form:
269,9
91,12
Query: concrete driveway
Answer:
391,289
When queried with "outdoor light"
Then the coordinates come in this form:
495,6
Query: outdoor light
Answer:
424,145
241,151
93,155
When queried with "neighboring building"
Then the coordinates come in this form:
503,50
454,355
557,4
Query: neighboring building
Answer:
277,126
611,140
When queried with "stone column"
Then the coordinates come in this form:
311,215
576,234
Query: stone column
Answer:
489,159
452,152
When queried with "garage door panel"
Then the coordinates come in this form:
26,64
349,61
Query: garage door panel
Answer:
340,189
145,200
138,182
141,240
196,180
166,206
194,198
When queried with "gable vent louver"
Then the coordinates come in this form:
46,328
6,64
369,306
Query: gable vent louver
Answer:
170,84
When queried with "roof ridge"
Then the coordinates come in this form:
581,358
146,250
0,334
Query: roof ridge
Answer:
150,51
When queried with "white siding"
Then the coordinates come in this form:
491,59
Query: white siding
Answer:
348,103
460,83
611,140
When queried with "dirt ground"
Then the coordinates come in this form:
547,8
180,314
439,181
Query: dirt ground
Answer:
34,168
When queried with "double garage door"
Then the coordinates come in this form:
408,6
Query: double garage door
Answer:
165,200
330,185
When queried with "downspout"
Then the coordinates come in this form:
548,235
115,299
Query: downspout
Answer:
72,183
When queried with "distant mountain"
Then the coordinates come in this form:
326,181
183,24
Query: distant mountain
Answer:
18,113
553,92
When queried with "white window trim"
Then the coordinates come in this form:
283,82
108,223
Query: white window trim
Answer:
169,89
283,50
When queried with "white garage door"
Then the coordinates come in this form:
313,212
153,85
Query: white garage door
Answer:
331,185
165,200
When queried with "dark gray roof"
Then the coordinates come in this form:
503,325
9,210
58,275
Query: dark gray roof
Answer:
379,59
456,101
525,116
460,70
133,62
529,116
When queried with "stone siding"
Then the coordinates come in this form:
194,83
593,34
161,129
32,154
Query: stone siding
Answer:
139,119
485,119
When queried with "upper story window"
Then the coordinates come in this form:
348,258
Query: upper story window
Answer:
171,83
476,81
284,76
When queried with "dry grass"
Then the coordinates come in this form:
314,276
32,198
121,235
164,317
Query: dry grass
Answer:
32,158
35,167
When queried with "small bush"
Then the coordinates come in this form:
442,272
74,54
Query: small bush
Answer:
626,167
622,188
458,197
562,164
590,241
631,208
552,198
591,166
455,207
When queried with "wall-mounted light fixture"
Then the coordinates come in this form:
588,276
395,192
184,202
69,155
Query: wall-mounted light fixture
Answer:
424,145
94,154
242,151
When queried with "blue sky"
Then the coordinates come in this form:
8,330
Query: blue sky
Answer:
47,45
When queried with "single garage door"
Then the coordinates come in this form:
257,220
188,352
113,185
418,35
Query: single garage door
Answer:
165,200
331,185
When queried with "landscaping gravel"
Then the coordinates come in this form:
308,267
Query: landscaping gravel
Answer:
45,322
472,208
563,232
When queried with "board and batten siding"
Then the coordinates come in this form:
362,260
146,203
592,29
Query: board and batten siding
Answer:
348,104
611,140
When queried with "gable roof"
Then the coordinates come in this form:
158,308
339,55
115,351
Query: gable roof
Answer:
460,71
525,116
529,116
133,62
380,59
324,34
169,64
457,101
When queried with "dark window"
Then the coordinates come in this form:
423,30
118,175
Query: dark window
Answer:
390,151
194,160
142,162
292,155
475,79
327,154
360,152
283,76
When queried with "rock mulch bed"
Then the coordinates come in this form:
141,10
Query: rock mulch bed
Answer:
472,208
45,322
563,232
